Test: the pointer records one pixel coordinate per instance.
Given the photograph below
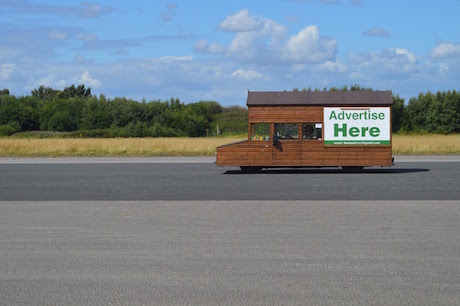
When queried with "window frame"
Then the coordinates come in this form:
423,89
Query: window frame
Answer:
315,129
252,131
285,123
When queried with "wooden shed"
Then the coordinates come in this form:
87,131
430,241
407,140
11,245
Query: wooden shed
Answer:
350,129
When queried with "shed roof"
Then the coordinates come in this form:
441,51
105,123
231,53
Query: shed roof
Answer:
363,98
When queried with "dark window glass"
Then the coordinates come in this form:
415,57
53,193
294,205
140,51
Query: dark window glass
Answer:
287,130
312,131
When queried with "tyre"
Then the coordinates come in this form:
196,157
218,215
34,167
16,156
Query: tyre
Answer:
250,169
352,168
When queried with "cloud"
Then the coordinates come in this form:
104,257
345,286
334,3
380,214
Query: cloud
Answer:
335,67
110,44
58,35
395,63
88,81
92,10
308,47
264,41
446,51
169,14
36,43
247,75
86,36
203,46
378,32
79,60
272,45
242,22
51,80
86,10
5,71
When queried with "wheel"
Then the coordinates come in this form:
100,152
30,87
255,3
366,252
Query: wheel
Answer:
352,168
250,169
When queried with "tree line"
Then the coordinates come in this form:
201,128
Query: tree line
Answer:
77,111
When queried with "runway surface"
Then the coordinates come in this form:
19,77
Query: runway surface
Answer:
162,232
205,181
230,253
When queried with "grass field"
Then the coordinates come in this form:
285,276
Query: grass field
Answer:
56,147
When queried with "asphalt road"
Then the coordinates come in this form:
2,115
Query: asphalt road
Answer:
143,232
230,253
205,181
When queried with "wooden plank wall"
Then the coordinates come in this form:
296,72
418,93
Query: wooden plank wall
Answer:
301,152
246,153
315,154
284,114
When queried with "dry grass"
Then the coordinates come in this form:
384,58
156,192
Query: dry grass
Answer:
111,147
402,145
426,144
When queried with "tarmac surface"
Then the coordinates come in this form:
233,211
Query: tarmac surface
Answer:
230,253
183,231
204,181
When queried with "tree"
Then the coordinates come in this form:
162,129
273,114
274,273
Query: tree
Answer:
45,93
397,113
232,120
79,91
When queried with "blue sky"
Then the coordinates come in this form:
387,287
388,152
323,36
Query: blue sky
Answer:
217,50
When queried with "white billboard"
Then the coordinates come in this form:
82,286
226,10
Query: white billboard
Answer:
357,126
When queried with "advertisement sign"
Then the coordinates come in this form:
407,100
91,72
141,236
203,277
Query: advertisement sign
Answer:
357,126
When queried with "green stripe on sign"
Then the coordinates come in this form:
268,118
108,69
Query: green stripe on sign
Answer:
357,142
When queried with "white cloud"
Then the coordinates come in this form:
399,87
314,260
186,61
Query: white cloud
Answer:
52,81
58,35
92,10
203,46
5,71
335,67
443,69
307,46
86,79
446,50
83,36
174,58
242,22
268,43
396,63
247,75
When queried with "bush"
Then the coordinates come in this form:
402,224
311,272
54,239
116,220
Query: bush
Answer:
9,129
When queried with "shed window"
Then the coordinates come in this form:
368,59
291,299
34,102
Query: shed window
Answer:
287,130
312,131
260,131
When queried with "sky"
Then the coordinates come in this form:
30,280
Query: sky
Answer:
218,50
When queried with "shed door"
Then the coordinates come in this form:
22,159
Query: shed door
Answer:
286,151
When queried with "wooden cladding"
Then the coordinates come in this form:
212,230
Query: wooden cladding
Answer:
300,153
282,114
296,152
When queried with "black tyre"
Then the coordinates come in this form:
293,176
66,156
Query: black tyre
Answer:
352,168
250,169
